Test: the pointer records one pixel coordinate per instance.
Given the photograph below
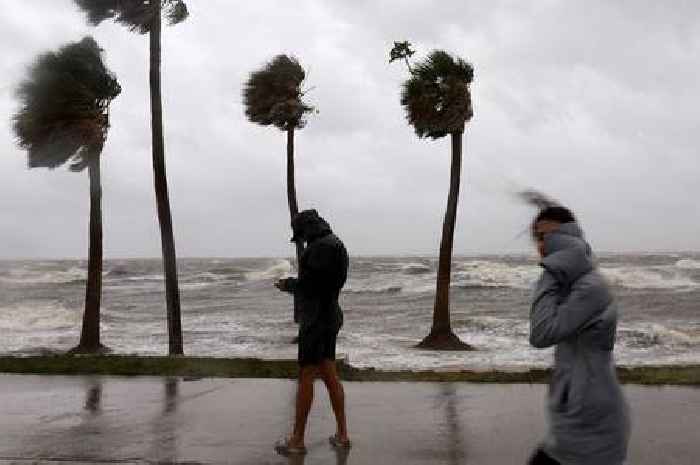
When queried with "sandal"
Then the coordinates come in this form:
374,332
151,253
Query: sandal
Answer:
337,443
283,448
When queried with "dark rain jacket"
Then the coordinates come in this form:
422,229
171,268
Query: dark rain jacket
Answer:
574,310
323,270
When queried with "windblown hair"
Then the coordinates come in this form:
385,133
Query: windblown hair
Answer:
537,199
548,208
555,213
273,96
137,15
558,214
64,106
436,97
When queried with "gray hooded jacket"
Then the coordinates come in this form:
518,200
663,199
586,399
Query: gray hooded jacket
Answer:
574,310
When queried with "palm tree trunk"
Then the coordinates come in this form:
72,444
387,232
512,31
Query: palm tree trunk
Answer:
172,293
291,186
441,335
293,207
90,333
441,311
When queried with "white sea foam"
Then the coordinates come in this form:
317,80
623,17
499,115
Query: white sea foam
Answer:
39,317
147,277
205,277
688,264
25,275
281,269
471,274
420,278
415,268
381,328
649,278
656,334
373,288
482,273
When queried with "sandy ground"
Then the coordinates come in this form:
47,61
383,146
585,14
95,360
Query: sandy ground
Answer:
64,419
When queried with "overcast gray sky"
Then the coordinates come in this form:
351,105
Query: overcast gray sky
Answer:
595,103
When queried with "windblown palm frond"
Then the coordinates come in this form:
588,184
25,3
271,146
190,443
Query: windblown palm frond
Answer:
64,106
401,51
273,95
137,15
436,97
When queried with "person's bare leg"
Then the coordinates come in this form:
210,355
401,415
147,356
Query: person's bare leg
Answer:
337,396
305,397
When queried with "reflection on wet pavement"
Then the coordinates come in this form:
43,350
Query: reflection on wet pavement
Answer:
93,396
73,419
165,424
454,437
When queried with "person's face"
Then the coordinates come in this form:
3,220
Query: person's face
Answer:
541,229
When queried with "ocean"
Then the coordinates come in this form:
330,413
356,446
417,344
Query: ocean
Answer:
231,309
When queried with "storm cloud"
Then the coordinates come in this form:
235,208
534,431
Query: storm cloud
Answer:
594,103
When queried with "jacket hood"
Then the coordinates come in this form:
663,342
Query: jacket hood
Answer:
308,225
567,255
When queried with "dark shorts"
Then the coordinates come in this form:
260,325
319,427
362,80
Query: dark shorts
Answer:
316,345
541,458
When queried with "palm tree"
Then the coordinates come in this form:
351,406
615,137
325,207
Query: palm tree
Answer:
273,97
437,101
64,117
144,17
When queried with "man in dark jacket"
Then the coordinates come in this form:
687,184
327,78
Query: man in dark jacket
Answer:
574,310
323,270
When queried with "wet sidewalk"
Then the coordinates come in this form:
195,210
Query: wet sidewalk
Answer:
88,420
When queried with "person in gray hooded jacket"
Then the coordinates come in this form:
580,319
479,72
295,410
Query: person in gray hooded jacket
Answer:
574,310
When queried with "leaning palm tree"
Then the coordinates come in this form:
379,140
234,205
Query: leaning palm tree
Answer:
273,96
437,101
144,17
64,118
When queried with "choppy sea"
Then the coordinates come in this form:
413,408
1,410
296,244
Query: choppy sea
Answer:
230,308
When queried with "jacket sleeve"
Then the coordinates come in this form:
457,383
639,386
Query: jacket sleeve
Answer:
317,261
554,319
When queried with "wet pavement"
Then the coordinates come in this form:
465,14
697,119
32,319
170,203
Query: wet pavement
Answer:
87,420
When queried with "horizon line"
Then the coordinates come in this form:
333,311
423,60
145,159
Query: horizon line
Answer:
361,255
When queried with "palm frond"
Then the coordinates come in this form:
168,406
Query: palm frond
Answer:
64,104
436,97
401,51
272,95
137,15
175,11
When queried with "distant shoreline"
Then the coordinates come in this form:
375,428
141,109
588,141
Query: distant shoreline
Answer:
210,367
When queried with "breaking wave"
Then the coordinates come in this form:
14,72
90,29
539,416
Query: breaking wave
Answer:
388,305
228,272
415,268
117,272
657,278
366,288
485,274
655,334
280,270
25,275
389,278
688,264
482,274
39,317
